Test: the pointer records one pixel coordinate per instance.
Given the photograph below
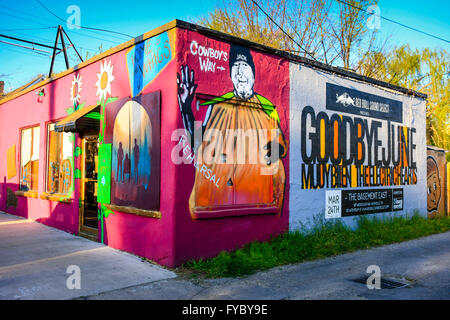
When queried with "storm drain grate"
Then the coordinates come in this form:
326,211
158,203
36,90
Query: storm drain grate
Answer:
384,283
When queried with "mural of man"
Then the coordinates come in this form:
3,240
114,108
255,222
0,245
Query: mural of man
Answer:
433,185
257,134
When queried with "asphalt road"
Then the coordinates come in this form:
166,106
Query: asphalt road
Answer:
34,259
423,264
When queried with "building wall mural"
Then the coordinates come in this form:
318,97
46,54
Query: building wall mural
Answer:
133,129
234,136
436,182
355,149
230,145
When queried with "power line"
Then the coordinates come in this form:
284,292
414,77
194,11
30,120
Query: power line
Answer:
54,21
104,30
25,29
45,40
21,18
273,21
30,42
396,22
37,54
25,47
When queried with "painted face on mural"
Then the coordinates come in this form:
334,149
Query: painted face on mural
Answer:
434,191
433,185
243,79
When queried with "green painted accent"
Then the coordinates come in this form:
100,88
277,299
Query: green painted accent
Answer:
80,106
225,97
93,115
104,167
77,174
103,213
104,173
69,111
266,105
264,101
111,99
77,152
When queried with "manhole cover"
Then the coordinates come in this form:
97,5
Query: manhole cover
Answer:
385,283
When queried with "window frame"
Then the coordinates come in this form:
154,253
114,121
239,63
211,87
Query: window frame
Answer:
21,130
47,193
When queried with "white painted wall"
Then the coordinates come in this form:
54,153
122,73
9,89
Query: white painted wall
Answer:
308,88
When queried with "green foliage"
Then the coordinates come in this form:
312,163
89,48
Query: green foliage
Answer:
421,70
321,239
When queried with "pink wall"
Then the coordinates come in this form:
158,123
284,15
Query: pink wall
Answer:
26,111
148,237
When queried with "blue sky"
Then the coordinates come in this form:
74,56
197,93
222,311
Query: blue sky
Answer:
19,65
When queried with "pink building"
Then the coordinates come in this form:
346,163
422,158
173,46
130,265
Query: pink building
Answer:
183,142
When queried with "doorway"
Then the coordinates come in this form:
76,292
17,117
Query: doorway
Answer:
88,190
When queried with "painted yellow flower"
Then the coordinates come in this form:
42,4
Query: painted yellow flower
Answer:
75,90
104,79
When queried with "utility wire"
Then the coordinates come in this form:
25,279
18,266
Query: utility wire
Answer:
273,21
396,22
27,29
104,30
25,47
29,53
21,18
54,21
30,42
45,40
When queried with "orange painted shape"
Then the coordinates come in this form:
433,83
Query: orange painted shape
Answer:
11,162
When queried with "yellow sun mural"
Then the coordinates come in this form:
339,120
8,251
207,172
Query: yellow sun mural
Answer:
75,90
104,79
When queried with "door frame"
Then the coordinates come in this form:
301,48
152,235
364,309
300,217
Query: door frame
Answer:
84,230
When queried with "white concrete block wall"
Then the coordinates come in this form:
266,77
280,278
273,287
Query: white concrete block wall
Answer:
308,88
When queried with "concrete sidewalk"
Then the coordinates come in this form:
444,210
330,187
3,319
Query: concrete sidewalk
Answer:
34,259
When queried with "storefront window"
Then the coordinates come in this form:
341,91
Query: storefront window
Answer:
29,159
59,161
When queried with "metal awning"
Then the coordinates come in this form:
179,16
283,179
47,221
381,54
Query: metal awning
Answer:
84,120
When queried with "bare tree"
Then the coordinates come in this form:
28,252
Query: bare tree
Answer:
326,30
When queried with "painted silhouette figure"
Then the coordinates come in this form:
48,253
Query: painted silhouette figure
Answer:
126,167
120,162
136,160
